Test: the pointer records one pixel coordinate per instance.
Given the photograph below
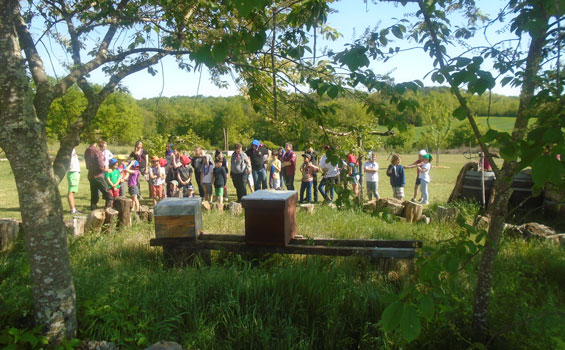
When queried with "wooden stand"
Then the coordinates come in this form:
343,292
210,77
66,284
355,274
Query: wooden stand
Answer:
123,205
412,211
9,230
95,220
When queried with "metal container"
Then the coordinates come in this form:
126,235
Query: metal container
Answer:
270,217
178,217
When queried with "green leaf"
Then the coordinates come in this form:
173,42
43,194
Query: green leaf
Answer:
460,113
553,135
410,323
508,151
547,168
220,51
397,32
490,136
392,314
333,91
29,338
427,308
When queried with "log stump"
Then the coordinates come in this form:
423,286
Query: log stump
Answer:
235,208
77,225
110,220
308,208
206,206
447,214
123,205
9,230
143,213
413,211
395,206
95,220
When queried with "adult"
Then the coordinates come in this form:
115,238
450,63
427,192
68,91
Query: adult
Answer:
197,160
330,177
142,158
314,161
416,165
289,166
240,167
73,179
219,155
258,154
95,165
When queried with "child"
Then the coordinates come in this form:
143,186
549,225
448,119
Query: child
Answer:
133,183
123,174
353,173
113,178
219,179
73,179
206,177
308,170
275,166
396,173
372,171
416,165
424,176
156,179
184,177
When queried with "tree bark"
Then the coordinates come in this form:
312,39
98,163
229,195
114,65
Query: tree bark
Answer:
23,138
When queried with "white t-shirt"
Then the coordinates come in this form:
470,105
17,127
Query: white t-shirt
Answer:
372,176
106,156
426,174
330,169
75,165
158,180
206,173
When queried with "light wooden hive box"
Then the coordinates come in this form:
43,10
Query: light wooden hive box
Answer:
178,217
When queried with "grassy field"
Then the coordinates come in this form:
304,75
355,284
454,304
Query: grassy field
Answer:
442,182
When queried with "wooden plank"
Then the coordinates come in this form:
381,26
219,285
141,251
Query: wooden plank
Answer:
240,247
221,237
384,243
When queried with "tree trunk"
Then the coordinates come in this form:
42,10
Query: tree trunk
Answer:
23,138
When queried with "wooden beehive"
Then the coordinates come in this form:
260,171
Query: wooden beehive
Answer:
270,217
178,217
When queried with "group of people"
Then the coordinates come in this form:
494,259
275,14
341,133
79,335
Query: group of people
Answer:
255,168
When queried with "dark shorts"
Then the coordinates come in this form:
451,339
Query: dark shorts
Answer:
133,191
418,181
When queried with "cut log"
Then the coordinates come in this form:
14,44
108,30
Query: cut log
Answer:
308,208
395,206
95,220
370,206
447,214
9,230
77,225
206,206
110,220
150,216
424,220
123,205
235,208
143,213
413,211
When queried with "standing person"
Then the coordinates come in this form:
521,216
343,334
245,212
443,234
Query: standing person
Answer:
416,165
133,183
96,169
424,175
275,166
184,176
197,160
142,158
314,162
219,155
396,173
289,166
308,170
330,177
206,177
219,179
256,153
156,180
173,164
372,171
106,154
124,174
353,173
73,179
239,169
113,178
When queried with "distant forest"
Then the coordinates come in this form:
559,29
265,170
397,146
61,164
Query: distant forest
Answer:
213,121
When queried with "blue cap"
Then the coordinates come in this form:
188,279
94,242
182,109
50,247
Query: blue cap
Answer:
255,143
113,161
135,163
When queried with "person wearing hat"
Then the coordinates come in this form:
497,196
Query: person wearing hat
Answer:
258,154
184,177
416,165
133,183
156,179
122,167
113,178
308,170
95,165
424,176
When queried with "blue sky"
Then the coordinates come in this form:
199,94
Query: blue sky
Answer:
351,18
